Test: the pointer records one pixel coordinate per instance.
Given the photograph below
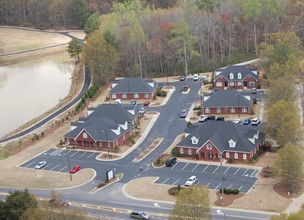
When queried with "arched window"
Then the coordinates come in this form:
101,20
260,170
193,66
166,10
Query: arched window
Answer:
181,151
189,151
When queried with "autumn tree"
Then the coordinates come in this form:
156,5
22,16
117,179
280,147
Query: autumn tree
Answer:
284,122
192,203
101,58
75,48
289,167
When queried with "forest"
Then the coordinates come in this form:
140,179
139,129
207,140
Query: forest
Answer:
161,37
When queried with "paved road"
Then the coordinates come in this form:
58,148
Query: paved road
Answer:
167,126
87,81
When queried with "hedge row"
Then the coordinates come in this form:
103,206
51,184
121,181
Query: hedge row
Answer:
88,95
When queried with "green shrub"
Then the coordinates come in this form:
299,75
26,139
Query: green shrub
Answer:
174,151
197,108
231,160
161,93
254,101
228,191
235,191
255,156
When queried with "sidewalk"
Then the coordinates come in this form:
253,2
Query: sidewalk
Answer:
296,204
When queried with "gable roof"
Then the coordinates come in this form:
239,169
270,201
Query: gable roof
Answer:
226,98
244,70
220,132
103,120
134,85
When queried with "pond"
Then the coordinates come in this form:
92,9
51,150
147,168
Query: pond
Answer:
29,89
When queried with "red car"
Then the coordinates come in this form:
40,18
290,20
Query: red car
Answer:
146,103
75,169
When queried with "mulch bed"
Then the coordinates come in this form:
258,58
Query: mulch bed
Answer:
228,198
282,189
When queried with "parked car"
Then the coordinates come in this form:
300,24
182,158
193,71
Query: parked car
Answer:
146,103
183,113
118,101
220,119
142,110
40,165
182,78
171,161
58,203
75,169
192,180
133,102
139,215
211,117
236,121
195,77
255,121
203,118
253,91
247,121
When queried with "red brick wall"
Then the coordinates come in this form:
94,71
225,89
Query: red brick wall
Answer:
222,80
249,79
90,144
131,96
225,110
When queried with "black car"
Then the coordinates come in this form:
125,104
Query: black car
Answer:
171,161
182,78
211,117
220,119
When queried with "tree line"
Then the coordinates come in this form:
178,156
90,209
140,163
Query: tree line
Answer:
192,36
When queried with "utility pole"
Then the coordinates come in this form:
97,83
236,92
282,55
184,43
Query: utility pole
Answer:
222,185
68,160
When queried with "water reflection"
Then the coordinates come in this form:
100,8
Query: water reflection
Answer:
29,89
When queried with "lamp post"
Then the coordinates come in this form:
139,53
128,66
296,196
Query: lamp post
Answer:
222,185
68,160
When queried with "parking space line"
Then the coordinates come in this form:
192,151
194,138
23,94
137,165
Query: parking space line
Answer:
62,169
226,170
90,155
165,181
29,164
175,182
229,187
184,166
195,167
254,173
205,168
174,165
240,188
54,167
198,183
244,172
208,184
216,169
236,171
45,167
217,186
83,154
65,153
76,152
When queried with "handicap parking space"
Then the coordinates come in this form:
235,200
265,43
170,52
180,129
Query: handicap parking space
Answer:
211,176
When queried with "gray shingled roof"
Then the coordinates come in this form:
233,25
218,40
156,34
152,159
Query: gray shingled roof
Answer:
104,118
244,70
133,85
220,132
226,98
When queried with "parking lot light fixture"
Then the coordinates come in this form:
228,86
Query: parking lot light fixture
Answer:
222,184
107,142
68,160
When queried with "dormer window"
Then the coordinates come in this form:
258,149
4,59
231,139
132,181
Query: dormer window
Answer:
209,146
85,135
239,75
194,140
231,76
231,143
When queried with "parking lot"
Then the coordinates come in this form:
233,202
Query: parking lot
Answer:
57,159
211,176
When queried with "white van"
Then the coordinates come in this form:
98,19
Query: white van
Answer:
118,101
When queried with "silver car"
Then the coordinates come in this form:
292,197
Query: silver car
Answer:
40,165
183,113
